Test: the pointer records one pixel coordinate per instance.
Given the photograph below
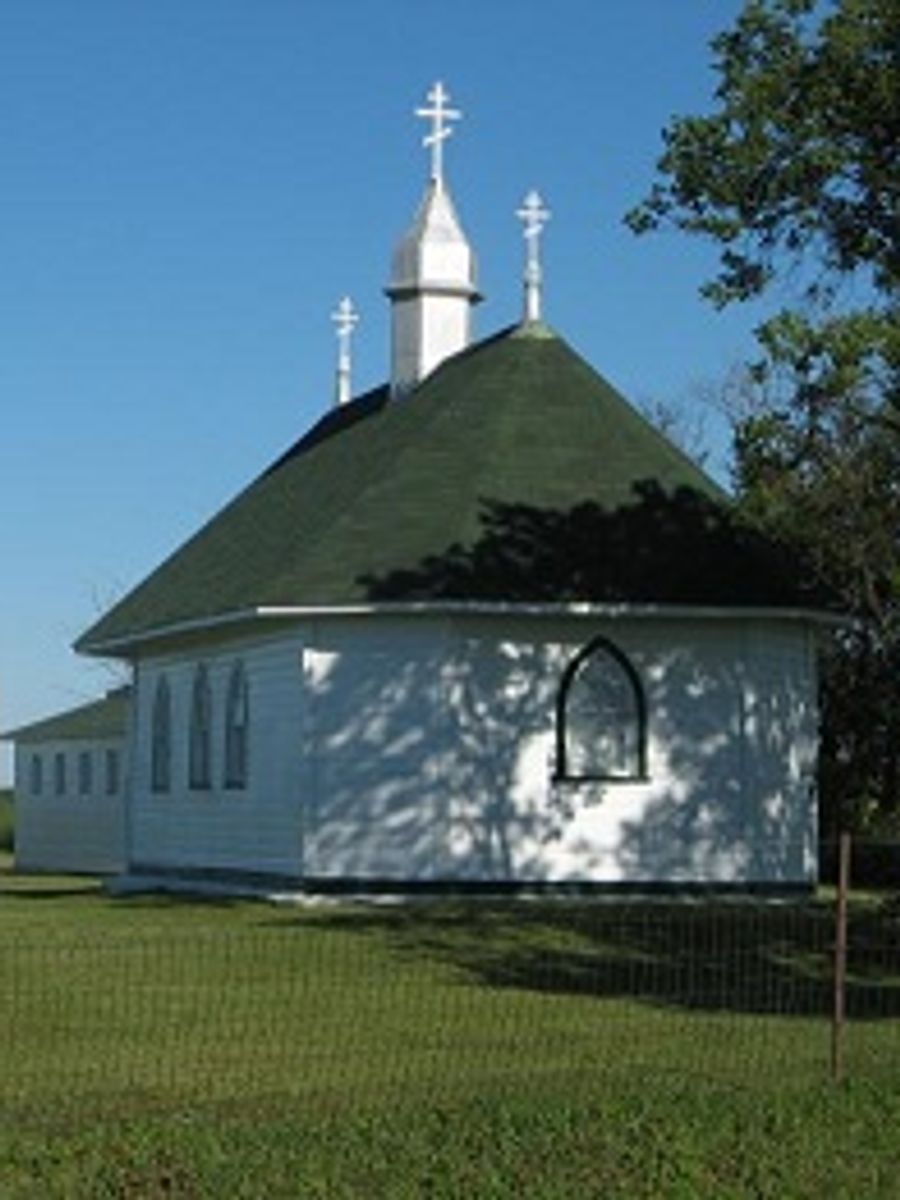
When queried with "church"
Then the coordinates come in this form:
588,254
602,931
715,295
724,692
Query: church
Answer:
482,626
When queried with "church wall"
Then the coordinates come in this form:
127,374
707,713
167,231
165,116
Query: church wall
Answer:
257,828
80,828
425,749
432,747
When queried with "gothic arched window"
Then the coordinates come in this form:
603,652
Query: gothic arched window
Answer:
37,775
236,725
161,738
59,773
200,748
601,717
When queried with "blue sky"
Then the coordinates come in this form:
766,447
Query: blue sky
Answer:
188,186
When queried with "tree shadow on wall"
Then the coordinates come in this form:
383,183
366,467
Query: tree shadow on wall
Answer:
667,547
426,745
740,957
434,751
417,743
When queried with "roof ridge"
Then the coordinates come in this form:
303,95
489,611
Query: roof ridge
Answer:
652,429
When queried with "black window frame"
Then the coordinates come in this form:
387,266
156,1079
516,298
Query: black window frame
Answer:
600,645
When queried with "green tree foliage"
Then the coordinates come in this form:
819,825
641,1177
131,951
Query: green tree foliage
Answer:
836,498
795,175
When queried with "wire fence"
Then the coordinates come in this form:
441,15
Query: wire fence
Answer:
121,1004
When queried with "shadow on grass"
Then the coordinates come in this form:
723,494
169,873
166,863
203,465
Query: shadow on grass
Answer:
180,900
743,958
21,886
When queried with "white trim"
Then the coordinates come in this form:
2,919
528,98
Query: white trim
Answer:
489,608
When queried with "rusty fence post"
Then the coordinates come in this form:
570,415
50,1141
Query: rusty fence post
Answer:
839,1013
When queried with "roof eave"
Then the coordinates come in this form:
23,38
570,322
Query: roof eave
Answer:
124,645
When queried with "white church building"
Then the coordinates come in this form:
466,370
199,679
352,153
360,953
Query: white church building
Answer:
482,626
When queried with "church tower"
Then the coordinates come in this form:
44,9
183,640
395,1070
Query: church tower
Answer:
433,272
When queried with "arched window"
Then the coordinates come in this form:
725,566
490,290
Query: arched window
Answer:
112,772
85,773
236,724
601,717
59,773
161,738
37,775
200,748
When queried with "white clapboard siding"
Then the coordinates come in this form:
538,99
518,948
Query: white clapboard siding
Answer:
433,747
257,828
424,749
78,830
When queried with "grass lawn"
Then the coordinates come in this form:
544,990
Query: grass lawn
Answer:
155,1047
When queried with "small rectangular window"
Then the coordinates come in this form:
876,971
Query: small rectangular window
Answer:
85,773
59,773
37,775
112,772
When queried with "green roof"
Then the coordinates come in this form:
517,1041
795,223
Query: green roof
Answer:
513,473
97,720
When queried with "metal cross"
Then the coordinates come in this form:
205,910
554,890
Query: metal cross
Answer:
534,216
439,115
345,318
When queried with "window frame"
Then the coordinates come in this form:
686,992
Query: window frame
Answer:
111,771
36,774
59,773
161,738
85,772
200,733
601,645
237,738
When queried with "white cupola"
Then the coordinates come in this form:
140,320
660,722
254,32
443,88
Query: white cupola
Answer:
433,272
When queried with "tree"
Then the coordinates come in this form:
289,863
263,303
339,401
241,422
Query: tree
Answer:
838,503
796,176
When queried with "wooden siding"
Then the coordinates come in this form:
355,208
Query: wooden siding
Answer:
433,745
77,831
423,749
257,828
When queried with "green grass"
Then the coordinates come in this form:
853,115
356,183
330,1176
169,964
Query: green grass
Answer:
165,1048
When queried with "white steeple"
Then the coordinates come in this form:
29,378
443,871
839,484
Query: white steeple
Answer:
433,272
534,217
345,319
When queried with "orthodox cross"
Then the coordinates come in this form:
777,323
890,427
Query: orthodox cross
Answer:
534,217
438,115
345,319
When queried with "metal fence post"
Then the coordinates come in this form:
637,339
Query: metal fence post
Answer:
839,1014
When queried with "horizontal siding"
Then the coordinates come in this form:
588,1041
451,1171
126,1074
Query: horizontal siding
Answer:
424,749
434,742
256,829
76,831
